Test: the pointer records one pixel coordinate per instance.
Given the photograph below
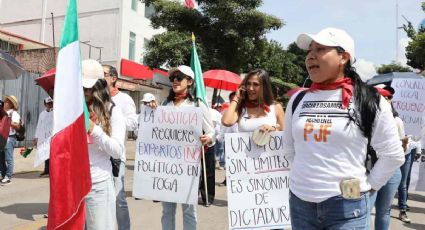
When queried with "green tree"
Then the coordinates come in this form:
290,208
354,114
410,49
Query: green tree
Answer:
228,33
393,67
415,51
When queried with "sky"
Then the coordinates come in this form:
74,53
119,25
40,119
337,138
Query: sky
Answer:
371,23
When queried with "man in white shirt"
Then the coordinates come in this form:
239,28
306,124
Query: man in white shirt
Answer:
6,156
126,103
44,129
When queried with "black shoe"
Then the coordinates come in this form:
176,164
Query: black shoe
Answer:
222,183
403,217
44,174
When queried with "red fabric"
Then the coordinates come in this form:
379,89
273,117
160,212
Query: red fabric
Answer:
383,92
4,127
249,104
135,70
47,80
180,96
70,179
189,4
345,83
222,79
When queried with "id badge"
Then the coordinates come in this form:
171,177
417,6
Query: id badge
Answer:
350,188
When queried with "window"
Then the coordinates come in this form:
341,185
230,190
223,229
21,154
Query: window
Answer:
134,4
149,11
132,46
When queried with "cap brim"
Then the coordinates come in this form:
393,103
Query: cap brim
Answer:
304,41
172,71
89,83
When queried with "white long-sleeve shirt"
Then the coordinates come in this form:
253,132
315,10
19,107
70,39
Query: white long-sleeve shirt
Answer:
104,146
325,149
128,108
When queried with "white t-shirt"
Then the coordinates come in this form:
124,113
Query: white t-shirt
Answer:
247,124
325,148
128,108
104,147
15,118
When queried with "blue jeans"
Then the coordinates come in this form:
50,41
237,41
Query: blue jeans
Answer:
382,200
219,152
333,213
6,167
100,206
168,218
402,188
123,216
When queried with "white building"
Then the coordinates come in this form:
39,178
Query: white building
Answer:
111,31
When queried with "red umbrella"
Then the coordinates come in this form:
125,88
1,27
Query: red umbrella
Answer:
47,80
222,79
294,91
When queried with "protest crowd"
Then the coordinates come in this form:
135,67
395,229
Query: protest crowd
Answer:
333,155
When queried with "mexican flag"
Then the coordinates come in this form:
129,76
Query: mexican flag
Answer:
195,65
70,179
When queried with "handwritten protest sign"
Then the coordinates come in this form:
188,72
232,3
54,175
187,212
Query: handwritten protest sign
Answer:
257,183
168,151
409,102
44,136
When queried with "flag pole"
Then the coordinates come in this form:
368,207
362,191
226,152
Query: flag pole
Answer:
203,151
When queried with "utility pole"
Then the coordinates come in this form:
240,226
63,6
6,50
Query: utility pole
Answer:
43,21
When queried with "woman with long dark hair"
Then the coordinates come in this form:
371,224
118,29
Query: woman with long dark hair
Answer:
253,106
326,136
181,95
106,140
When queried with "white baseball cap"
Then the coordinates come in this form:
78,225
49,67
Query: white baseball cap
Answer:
92,71
48,100
148,97
184,69
329,37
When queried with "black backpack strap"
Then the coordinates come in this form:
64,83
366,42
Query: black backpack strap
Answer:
297,100
110,109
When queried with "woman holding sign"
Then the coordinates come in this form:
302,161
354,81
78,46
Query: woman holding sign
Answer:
106,140
182,79
328,128
253,106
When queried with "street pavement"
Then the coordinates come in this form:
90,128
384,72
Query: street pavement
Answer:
24,202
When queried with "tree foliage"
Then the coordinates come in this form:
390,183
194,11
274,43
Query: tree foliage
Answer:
393,67
415,51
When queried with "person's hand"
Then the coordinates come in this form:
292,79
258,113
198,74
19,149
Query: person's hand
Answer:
205,140
267,128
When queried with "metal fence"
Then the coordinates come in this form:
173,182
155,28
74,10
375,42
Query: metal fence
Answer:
30,98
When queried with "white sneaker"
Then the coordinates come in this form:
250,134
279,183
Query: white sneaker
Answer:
6,180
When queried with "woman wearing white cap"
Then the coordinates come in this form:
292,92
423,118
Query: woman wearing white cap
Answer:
182,79
107,133
6,155
326,136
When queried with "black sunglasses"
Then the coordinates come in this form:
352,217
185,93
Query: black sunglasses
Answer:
179,77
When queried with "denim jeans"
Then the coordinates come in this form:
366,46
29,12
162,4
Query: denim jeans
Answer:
333,213
219,152
6,166
382,200
46,166
100,206
123,216
402,188
168,218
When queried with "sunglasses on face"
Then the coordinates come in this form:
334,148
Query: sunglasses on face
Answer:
179,77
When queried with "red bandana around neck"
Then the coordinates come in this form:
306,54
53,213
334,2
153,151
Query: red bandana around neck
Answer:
250,104
345,83
180,96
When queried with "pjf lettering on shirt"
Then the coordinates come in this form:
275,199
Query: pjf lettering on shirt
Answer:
316,132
